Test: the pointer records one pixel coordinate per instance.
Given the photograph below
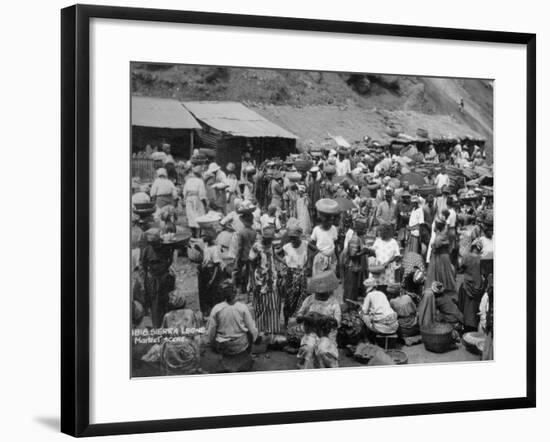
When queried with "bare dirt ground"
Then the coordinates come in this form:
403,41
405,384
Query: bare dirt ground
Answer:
274,360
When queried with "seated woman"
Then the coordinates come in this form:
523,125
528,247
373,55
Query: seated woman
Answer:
377,313
181,355
437,306
407,318
320,316
231,331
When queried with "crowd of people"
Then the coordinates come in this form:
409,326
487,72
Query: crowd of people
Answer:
290,247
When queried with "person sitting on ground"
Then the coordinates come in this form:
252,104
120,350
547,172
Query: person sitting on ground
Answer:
442,309
320,316
405,308
231,329
376,311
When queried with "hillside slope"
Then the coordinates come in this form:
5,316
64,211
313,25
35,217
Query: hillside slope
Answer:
430,95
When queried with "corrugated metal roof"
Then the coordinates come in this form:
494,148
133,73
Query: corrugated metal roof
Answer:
161,112
314,123
235,119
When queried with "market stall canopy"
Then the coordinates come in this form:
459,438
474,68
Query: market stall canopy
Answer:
235,119
162,113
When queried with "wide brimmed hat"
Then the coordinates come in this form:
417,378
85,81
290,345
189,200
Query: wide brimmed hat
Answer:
405,194
213,168
324,282
437,288
314,169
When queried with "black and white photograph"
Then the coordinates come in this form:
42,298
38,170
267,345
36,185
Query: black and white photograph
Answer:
299,220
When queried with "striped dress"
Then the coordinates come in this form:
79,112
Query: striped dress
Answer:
267,302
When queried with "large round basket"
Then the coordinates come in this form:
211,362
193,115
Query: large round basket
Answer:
303,165
327,206
438,337
294,177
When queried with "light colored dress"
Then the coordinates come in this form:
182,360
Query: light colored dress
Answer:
385,250
302,213
324,240
194,192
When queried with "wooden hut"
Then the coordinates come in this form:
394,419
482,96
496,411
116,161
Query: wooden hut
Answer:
232,129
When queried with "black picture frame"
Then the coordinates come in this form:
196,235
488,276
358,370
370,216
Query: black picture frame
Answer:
75,212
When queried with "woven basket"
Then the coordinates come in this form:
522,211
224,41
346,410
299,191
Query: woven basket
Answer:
303,165
437,338
398,356
376,269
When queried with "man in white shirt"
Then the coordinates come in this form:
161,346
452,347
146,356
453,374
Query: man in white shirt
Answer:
168,158
343,166
415,220
442,179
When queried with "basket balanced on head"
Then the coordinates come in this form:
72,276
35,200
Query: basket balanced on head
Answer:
327,206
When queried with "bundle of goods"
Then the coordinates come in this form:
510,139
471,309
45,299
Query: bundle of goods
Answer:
294,335
327,206
319,324
351,328
370,354
473,341
438,337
